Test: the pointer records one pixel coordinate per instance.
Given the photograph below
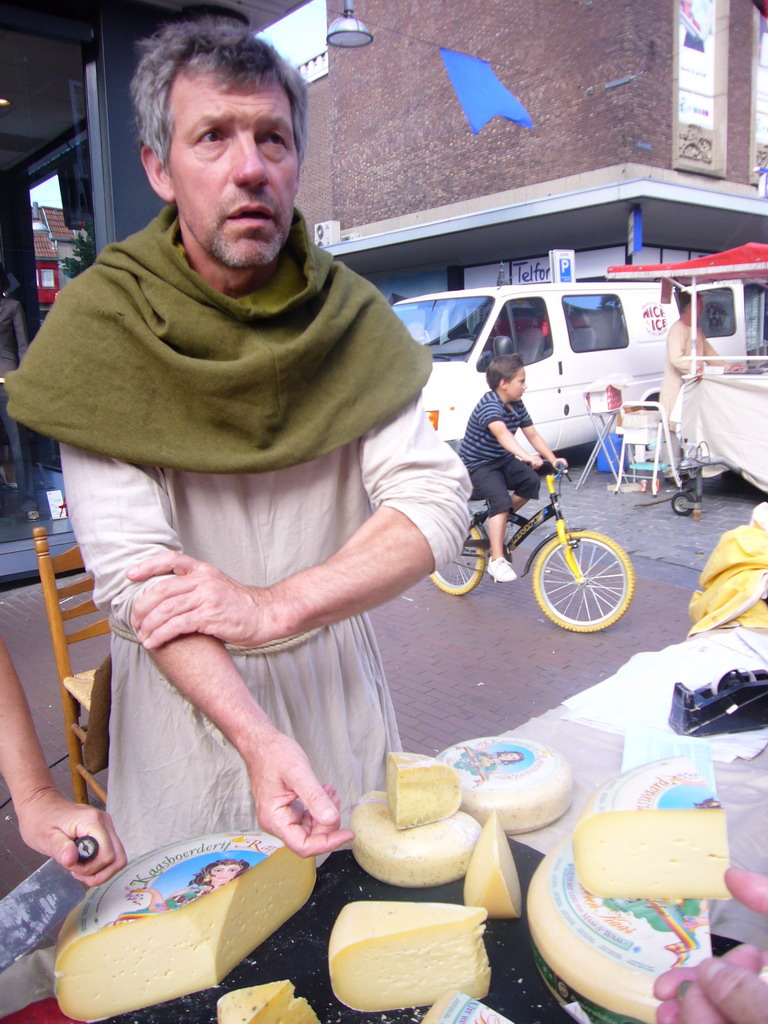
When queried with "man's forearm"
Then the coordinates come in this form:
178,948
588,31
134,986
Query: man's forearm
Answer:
385,556
290,802
202,671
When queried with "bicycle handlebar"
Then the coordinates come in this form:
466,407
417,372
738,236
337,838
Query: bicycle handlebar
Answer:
559,466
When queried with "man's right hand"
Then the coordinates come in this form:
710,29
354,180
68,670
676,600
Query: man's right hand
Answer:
195,597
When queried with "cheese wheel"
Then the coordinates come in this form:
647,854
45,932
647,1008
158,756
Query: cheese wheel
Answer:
491,880
414,857
387,956
528,784
420,789
606,953
656,854
274,1003
176,921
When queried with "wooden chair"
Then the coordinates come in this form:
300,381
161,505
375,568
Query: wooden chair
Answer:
75,688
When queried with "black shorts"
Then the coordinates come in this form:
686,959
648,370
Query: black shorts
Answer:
492,482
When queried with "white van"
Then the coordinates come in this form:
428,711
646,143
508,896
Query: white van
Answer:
569,335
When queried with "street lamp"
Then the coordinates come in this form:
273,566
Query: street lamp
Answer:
348,30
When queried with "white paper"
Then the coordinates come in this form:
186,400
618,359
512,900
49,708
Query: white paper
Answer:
642,745
640,693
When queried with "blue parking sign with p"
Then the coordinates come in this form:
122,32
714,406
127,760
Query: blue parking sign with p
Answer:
562,265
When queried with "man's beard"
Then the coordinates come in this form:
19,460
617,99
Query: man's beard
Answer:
250,252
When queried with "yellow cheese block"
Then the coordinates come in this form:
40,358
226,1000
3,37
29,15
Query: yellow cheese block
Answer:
491,880
413,857
653,854
387,956
176,921
274,1003
421,789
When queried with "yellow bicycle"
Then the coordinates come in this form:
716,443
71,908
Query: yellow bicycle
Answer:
583,581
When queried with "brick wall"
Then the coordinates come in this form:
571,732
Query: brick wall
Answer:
389,137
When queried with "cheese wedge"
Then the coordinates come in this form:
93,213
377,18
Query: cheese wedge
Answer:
387,956
661,854
420,789
274,1003
491,880
166,926
412,857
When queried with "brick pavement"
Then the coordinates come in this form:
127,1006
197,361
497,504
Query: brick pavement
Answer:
460,667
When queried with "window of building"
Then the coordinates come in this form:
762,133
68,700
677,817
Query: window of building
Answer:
44,142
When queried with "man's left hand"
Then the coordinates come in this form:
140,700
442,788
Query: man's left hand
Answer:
194,597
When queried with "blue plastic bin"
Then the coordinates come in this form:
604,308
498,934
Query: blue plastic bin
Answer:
613,444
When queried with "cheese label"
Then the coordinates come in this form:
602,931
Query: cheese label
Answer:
528,784
669,784
644,935
492,763
172,877
459,1008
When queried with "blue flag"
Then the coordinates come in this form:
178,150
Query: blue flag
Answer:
480,93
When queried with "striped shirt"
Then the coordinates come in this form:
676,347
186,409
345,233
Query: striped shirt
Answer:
479,444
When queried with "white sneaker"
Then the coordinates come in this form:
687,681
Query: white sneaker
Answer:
501,571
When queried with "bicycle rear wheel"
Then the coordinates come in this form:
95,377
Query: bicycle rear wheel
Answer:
464,573
605,593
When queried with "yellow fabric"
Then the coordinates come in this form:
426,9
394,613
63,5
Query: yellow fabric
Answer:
734,582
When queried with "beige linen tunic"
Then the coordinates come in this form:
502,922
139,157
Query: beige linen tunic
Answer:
172,774
678,362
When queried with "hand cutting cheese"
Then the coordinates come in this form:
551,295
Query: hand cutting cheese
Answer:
653,854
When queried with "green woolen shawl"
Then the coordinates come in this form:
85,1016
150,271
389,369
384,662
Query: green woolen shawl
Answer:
142,361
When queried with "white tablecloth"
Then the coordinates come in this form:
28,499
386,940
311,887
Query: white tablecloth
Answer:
728,413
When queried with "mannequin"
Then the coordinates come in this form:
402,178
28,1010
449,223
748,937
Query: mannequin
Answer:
13,345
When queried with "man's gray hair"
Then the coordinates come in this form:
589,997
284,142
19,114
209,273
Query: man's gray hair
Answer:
217,46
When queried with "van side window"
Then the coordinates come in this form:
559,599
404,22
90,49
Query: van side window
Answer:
595,322
718,319
526,324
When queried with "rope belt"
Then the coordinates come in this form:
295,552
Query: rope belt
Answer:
270,647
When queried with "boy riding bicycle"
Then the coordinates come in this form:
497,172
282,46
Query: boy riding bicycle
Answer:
496,462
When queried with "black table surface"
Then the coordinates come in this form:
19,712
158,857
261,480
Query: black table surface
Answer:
299,952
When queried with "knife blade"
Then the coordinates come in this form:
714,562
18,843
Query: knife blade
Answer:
39,904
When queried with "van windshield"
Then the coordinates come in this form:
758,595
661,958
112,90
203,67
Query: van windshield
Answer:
450,327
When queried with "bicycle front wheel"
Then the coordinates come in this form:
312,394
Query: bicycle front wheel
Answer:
605,593
464,573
